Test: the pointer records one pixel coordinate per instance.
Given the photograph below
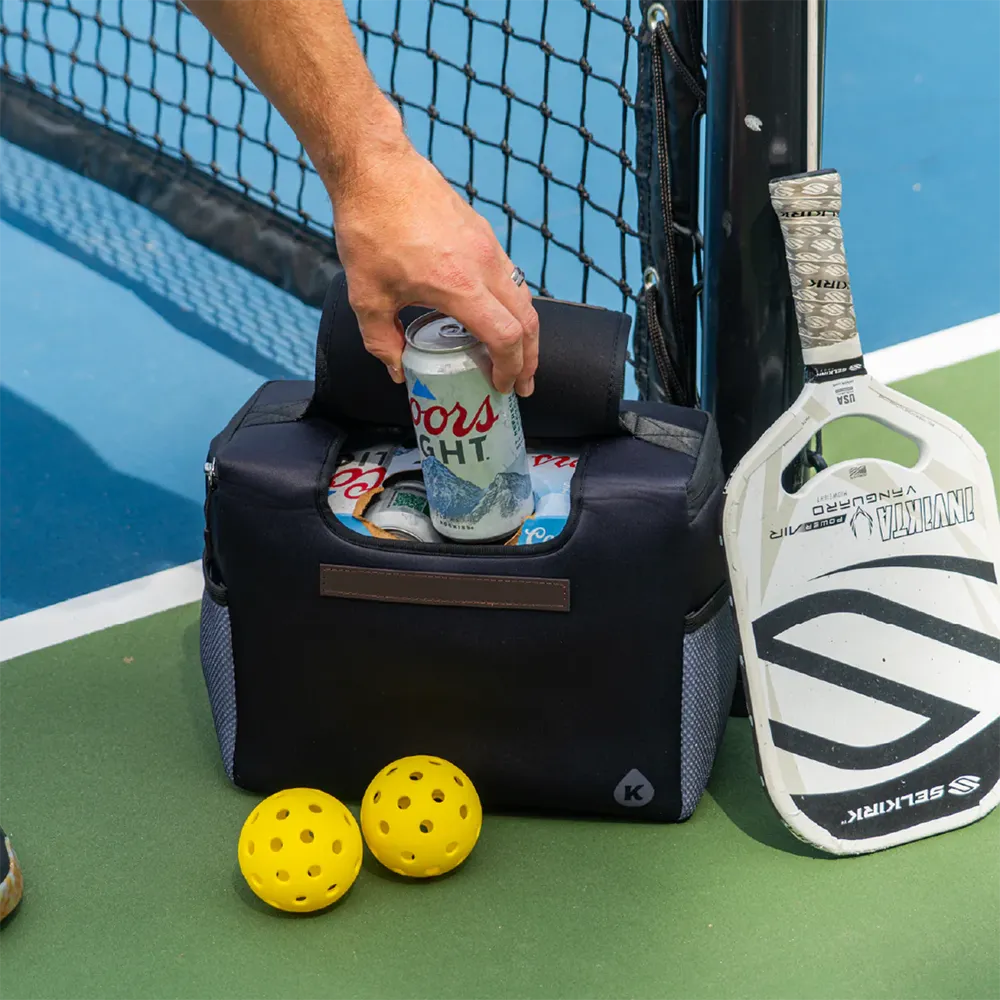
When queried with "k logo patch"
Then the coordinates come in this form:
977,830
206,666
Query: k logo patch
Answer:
634,790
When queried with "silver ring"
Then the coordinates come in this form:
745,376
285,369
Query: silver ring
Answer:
517,277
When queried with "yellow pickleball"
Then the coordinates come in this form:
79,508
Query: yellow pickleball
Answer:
300,850
421,816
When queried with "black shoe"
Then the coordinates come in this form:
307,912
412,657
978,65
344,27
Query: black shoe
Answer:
11,882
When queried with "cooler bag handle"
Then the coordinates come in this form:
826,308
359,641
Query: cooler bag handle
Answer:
579,384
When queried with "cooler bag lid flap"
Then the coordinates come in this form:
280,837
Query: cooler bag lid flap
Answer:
577,389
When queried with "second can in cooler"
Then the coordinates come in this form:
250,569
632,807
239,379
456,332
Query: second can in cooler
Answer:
470,435
402,510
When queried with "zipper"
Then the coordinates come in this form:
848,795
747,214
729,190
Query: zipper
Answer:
213,586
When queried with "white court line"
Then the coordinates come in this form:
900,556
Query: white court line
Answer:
936,350
183,584
79,616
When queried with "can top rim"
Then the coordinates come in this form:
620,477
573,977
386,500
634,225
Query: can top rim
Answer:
443,343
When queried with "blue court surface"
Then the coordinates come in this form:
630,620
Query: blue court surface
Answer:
126,347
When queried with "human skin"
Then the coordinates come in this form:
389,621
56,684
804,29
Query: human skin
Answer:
404,236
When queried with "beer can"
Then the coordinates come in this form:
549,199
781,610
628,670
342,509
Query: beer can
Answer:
474,463
358,472
402,510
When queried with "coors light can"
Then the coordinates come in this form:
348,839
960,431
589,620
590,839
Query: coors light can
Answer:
470,435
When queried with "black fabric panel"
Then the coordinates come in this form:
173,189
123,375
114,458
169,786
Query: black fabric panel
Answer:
352,385
638,416
707,565
546,712
577,390
649,215
290,395
678,316
291,256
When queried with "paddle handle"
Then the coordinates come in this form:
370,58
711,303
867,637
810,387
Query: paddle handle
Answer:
808,208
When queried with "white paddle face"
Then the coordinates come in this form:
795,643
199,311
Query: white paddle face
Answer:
870,622
869,616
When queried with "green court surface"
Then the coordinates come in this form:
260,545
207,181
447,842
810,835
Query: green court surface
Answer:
126,825
968,392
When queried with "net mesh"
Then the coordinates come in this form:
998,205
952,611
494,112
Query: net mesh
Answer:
526,107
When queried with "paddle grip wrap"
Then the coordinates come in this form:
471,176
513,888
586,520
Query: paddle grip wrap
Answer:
808,208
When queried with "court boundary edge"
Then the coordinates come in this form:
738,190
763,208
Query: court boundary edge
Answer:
99,610
924,354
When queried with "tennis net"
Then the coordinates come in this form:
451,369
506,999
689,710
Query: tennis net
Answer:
543,114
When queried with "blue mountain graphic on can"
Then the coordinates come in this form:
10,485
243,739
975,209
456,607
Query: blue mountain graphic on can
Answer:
421,390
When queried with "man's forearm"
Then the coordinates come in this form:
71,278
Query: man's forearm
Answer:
303,57
404,236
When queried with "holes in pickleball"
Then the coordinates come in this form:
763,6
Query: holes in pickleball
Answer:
257,880
377,796
250,847
458,781
313,808
409,856
307,836
314,871
426,826
337,847
416,775
437,795
300,900
281,814
433,871
452,847
383,826
391,770
256,815
281,875
276,844
332,888
403,802
463,811
347,818
437,763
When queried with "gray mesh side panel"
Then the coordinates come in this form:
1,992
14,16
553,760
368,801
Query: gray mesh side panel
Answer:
217,666
711,659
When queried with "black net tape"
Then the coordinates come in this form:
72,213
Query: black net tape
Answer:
526,106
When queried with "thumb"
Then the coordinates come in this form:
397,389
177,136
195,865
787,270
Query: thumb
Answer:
383,338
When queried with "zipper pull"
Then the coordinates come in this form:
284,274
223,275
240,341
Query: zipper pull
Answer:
211,476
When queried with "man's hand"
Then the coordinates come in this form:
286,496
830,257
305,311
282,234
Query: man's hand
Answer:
406,238
403,235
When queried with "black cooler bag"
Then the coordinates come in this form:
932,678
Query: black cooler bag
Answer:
589,674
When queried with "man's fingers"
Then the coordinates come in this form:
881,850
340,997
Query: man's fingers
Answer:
517,300
485,316
383,336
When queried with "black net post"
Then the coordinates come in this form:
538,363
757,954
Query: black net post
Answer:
765,69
